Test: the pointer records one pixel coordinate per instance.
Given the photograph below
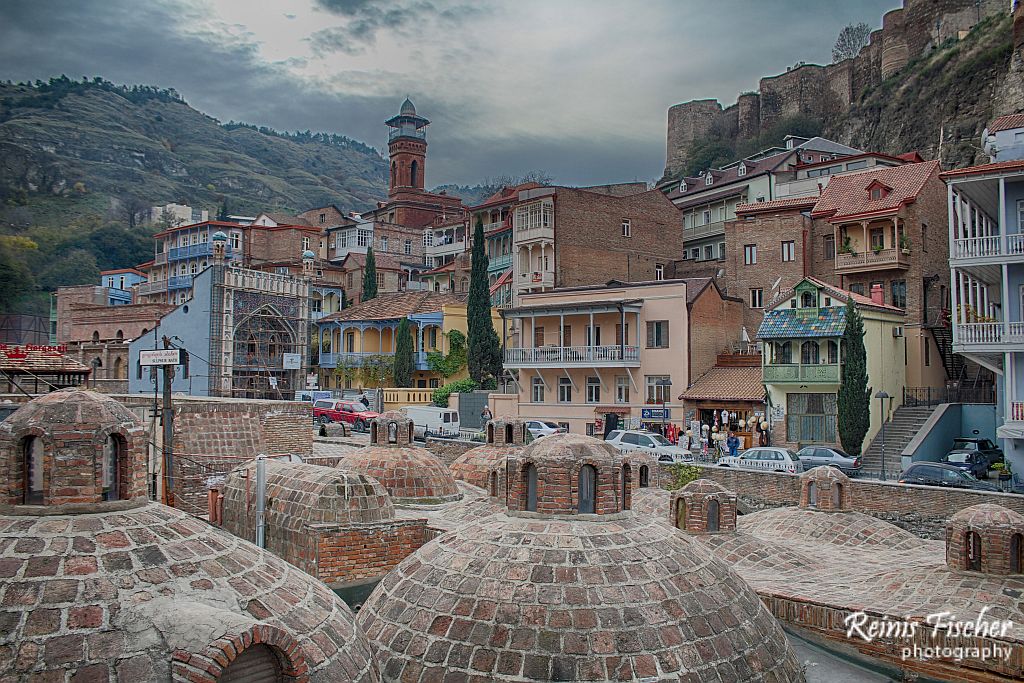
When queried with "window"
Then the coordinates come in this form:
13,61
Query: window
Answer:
428,239
721,250
876,193
305,243
927,352
682,186
924,230
657,334
695,254
854,165
193,268
706,217
236,240
828,246
658,388
757,298
380,279
809,353
566,335
383,243
113,452
564,390
713,515
32,470
741,170
789,251
857,288
833,352
587,490
808,300
749,254
537,386
659,272
972,547
877,238
538,336
593,390
627,228
709,179
619,339
899,293
323,218
709,252
593,335
530,491
622,390
364,238
408,247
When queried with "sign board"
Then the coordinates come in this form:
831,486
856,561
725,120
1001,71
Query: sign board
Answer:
291,361
778,414
654,413
273,382
311,381
161,357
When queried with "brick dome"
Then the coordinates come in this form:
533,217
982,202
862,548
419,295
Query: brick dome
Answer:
986,538
71,448
154,594
411,475
824,488
521,596
484,466
703,507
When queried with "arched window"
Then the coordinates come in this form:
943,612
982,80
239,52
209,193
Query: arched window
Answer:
508,434
807,300
392,432
809,353
255,663
525,433
119,371
95,336
786,353
144,331
1017,554
119,335
837,496
490,433
627,485
681,513
373,433
32,470
812,494
645,476
972,548
833,352
587,491
110,468
494,483
394,171
713,515
530,491
414,171
411,432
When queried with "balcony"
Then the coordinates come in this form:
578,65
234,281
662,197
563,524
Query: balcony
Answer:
160,259
1016,412
358,359
783,373
988,336
150,288
716,228
191,251
180,282
499,262
488,227
535,279
981,249
872,260
419,134
535,234
573,357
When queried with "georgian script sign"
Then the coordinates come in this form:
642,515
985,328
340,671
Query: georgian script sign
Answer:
160,357
21,352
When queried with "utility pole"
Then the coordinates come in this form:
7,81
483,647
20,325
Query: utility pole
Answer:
168,424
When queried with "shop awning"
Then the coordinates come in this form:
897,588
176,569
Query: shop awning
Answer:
618,410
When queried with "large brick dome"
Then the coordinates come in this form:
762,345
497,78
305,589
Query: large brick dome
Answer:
562,596
484,466
411,474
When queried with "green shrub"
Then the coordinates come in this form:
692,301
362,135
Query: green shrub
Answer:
441,394
683,474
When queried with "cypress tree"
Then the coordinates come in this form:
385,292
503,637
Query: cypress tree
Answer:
485,362
854,393
370,276
405,363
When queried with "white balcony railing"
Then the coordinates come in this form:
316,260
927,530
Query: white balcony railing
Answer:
559,356
977,247
536,279
1015,244
979,333
1016,411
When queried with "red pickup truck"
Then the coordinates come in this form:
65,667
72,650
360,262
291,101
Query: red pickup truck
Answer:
337,410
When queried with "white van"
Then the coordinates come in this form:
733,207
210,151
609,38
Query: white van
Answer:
432,421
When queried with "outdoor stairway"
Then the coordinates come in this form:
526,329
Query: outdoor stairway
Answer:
899,431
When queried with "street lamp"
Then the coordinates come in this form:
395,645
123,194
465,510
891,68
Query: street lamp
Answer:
666,384
881,396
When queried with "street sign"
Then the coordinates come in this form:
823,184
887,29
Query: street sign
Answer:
161,357
291,361
654,413
273,382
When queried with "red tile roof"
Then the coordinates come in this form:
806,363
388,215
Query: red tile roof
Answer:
1007,122
32,359
789,203
506,194
727,384
115,271
395,306
983,169
846,196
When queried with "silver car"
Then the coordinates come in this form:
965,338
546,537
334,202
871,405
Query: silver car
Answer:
648,442
539,428
766,459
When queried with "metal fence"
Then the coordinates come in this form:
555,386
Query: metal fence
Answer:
931,396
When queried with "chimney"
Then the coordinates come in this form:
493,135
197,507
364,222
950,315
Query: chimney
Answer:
877,295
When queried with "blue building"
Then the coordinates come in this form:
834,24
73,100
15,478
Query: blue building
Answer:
119,284
986,257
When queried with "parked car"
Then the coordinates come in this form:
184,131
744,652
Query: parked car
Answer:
941,474
765,458
974,462
815,456
992,452
648,442
539,428
432,421
339,410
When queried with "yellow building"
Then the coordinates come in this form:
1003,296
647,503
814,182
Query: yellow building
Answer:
804,358
357,344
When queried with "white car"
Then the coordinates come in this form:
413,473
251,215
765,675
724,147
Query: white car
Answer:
766,459
648,442
537,428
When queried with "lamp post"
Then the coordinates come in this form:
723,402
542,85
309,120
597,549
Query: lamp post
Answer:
665,385
881,396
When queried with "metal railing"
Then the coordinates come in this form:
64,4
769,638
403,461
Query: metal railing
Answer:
191,251
179,282
407,133
915,397
572,355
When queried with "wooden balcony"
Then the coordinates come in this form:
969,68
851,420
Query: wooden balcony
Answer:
872,260
784,373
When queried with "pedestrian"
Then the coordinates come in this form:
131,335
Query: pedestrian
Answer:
485,414
733,442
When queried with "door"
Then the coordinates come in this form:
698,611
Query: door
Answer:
587,490
823,456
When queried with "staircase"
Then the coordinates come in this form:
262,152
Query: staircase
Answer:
952,362
899,431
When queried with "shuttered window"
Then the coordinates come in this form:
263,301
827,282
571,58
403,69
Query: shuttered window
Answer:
657,334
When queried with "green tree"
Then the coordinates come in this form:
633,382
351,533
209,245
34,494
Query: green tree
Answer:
454,361
16,277
854,393
405,363
370,276
485,363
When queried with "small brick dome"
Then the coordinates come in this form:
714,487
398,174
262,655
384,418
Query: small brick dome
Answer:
703,507
518,597
411,475
73,448
484,466
154,594
986,538
825,489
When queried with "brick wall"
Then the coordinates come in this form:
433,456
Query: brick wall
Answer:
447,450
590,248
922,510
714,326
356,553
273,244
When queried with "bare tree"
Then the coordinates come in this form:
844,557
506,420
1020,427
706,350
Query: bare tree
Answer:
850,41
132,208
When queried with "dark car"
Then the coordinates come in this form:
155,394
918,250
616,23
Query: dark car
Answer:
974,462
814,456
941,474
992,452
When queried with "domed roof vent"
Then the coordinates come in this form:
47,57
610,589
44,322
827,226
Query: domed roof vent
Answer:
825,489
219,236
408,108
986,538
703,507
484,466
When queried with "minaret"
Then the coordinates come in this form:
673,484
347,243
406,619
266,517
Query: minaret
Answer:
407,144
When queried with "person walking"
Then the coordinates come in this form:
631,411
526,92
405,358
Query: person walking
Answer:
733,442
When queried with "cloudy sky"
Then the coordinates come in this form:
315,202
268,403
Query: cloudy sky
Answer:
578,88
